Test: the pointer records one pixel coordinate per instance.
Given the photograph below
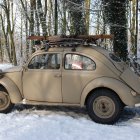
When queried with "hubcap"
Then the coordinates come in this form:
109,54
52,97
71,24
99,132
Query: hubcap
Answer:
103,107
4,100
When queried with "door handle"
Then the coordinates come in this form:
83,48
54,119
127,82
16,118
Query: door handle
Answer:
58,75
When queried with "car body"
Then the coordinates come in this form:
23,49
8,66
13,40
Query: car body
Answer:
85,76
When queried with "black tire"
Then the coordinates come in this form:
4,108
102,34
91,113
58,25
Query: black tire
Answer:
104,106
5,103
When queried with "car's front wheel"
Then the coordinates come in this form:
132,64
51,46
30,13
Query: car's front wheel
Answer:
104,106
5,102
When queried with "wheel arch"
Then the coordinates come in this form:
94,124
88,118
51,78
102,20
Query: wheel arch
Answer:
115,85
2,88
9,86
101,88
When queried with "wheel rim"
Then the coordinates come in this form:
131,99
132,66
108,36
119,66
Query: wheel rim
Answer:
4,101
104,107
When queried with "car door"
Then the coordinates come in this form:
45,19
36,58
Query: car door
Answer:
42,78
78,71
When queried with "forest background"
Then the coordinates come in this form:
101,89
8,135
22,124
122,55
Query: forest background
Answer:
20,19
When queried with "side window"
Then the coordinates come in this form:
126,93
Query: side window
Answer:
78,62
45,61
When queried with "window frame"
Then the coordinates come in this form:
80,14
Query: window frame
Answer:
27,65
79,55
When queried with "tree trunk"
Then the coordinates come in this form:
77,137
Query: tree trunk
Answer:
87,15
64,25
42,17
10,30
133,27
77,19
55,18
1,51
5,33
21,35
32,3
115,13
50,10
32,9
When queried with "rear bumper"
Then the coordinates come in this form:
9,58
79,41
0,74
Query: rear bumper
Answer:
135,100
131,99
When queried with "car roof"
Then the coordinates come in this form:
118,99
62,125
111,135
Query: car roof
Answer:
80,48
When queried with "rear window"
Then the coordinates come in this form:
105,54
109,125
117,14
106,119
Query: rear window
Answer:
114,57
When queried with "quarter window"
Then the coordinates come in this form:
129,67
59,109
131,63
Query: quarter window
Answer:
78,62
45,61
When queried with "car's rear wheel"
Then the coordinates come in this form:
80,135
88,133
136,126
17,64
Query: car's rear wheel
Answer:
104,106
5,102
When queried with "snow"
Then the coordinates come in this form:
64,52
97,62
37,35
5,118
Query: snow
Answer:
65,123
5,66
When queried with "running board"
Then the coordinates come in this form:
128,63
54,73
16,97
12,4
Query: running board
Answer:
29,102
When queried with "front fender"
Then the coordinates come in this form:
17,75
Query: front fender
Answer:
122,90
12,89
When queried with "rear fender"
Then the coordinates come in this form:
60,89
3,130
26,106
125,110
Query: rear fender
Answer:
122,90
12,89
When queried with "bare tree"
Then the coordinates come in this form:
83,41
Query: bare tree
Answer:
10,27
42,17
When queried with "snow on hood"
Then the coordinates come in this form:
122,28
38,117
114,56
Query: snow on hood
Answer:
13,69
5,66
10,68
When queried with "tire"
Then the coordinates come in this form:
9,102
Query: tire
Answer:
5,102
104,106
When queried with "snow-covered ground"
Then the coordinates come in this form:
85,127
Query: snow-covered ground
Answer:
61,123
65,123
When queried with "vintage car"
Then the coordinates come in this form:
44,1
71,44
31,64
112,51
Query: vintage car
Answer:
83,75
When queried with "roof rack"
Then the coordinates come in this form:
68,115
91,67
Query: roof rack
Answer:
70,37
70,40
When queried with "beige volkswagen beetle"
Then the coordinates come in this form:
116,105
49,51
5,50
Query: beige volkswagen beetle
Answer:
75,76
